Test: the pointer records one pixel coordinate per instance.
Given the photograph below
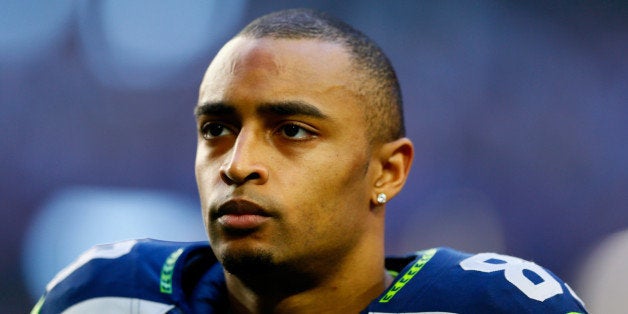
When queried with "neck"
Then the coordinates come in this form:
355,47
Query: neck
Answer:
346,287
333,297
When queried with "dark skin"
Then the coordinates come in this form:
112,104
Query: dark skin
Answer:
288,178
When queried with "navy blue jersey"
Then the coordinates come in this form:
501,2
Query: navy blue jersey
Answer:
149,276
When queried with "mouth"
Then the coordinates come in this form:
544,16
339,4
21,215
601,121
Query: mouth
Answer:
240,215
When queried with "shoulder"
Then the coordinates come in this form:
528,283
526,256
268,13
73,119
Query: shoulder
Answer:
447,280
144,272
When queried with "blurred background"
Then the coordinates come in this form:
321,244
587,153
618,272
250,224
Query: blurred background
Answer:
518,109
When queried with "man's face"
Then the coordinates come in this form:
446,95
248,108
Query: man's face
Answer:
282,161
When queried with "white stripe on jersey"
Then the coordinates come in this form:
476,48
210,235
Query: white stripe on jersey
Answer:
118,305
110,251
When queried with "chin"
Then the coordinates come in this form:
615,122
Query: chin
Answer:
247,263
259,270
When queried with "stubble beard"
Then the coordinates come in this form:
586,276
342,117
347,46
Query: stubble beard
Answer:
259,271
248,264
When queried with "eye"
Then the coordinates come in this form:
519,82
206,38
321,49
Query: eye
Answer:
294,131
212,130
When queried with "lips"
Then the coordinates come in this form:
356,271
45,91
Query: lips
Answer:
240,215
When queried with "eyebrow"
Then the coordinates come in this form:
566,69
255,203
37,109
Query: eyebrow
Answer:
214,109
291,108
281,108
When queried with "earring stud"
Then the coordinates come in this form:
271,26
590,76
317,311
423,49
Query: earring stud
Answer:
381,198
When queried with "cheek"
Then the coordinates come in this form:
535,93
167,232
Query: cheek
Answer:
201,183
346,173
207,175
200,169
207,182
334,184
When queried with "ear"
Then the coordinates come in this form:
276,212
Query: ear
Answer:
395,160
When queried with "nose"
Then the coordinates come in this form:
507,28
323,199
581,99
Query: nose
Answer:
245,162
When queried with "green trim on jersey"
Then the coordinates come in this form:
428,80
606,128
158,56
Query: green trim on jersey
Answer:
427,255
37,308
393,273
165,282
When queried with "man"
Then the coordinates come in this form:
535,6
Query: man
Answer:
300,144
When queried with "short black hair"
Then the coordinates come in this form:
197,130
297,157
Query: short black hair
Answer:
384,105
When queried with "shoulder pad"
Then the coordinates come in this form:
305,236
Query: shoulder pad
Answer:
446,280
146,272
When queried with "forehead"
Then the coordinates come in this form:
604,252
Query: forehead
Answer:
269,70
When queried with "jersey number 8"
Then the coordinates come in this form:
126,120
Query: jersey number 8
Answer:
514,272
